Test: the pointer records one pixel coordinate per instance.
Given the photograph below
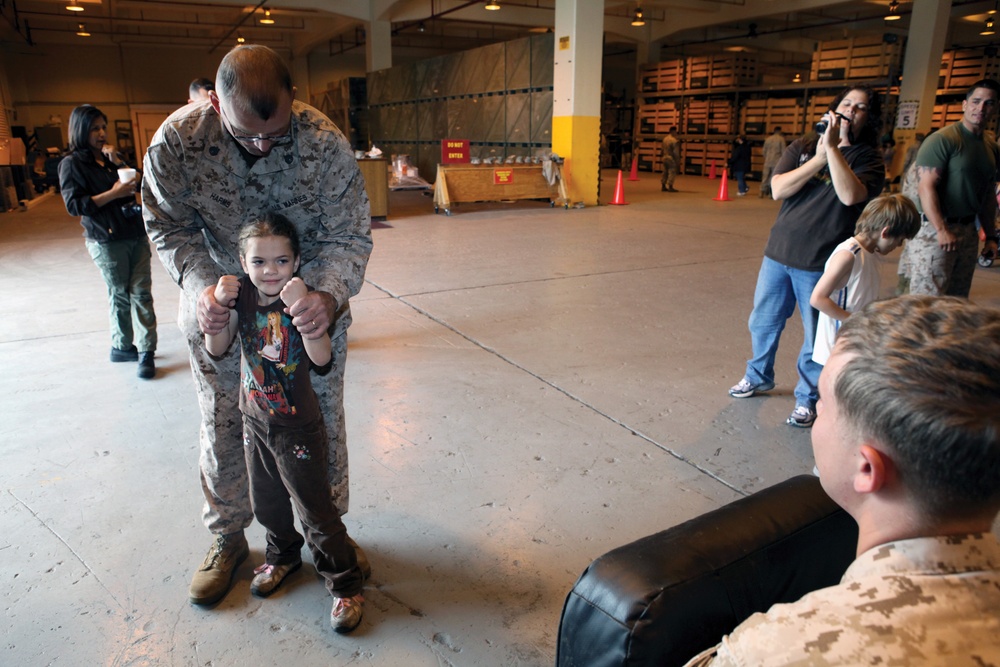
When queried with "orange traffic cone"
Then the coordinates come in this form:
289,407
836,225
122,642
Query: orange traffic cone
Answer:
634,176
982,235
619,198
723,187
711,171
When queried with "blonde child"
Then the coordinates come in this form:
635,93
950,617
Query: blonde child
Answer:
850,278
283,429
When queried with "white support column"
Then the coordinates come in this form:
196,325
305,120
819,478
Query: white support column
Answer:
922,64
378,45
576,99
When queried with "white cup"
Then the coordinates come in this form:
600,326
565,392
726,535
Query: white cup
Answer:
126,174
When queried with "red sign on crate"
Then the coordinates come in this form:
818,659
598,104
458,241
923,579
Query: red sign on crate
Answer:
503,176
454,151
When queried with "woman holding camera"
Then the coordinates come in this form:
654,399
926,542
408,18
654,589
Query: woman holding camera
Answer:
823,181
114,233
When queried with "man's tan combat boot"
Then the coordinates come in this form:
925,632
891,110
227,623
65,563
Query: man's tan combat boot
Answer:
212,580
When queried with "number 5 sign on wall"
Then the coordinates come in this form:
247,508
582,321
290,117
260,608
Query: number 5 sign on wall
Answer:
906,115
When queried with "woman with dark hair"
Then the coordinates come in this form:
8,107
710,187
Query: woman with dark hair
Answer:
823,180
114,233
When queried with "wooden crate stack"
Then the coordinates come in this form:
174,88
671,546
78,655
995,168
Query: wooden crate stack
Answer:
698,157
649,155
721,71
753,116
856,58
763,115
709,117
658,118
664,77
818,106
946,114
785,113
961,68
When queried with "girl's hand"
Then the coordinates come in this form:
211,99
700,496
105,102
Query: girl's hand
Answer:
226,291
293,290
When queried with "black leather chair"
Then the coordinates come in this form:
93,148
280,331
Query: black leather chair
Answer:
666,597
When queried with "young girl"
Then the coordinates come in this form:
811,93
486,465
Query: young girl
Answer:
850,279
283,429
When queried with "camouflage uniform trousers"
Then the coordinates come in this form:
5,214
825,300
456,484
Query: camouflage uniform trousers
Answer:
669,172
937,272
222,461
765,180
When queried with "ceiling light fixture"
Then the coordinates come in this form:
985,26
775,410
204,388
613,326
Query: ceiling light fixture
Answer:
73,7
267,20
81,30
637,19
988,30
797,79
492,5
240,39
893,14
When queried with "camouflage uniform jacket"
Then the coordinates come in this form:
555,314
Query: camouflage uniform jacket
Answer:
671,149
925,601
198,191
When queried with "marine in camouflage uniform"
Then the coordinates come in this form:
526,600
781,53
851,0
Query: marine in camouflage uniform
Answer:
905,441
198,191
957,172
924,601
671,155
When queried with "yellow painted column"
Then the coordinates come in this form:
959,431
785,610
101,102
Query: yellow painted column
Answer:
576,96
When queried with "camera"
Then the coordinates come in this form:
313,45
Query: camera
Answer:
821,126
132,211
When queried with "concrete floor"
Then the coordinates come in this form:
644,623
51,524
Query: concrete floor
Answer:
527,388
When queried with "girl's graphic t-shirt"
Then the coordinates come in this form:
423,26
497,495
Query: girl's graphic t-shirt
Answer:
275,386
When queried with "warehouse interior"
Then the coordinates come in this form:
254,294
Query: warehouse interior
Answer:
528,386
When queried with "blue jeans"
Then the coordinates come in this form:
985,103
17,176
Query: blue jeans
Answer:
779,289
741,181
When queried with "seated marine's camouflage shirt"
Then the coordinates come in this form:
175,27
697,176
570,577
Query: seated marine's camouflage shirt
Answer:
925,601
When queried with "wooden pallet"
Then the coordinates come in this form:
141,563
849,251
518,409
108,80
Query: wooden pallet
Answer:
666,76
709,117
857,58
761,116
697,157
960,68
649,155
946,114
818,106
659,118
721,71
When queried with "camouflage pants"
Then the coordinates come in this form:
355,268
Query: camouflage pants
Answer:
936,272
222,461
669,172
765,180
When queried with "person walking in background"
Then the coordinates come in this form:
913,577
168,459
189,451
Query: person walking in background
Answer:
116,239
199,89
671,155
774,146
956,175
739,163
823,183
283,430
210,169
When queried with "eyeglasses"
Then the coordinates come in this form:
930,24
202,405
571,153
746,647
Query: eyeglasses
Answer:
254,139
